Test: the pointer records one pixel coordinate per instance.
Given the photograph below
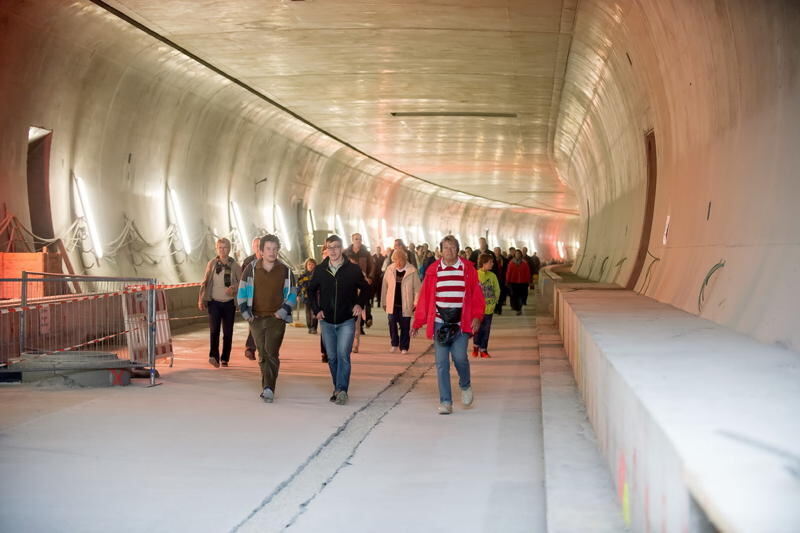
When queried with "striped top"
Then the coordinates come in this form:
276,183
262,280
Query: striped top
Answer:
450,286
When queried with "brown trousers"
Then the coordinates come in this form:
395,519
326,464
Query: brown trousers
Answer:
268,333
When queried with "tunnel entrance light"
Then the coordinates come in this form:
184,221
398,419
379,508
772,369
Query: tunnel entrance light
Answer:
312,224
560,245
86,211
179,222
284,230
239,220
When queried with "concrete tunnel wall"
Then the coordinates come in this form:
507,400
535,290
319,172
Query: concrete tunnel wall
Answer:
718,84
132,116
716,81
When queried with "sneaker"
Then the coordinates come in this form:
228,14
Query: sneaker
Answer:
466,396
403,352
393,349
224,363
213,362
485,355
250,354
445,408
324,358
333,396
475,350
312,332
369,323
341,397
519,313
267,395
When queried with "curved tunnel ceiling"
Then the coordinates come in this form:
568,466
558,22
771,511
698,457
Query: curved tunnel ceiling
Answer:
461,94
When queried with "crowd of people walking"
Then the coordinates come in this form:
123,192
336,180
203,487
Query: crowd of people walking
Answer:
452,293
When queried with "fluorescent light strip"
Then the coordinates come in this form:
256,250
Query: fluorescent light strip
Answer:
452,114
237,215
284,229
176,208
83,196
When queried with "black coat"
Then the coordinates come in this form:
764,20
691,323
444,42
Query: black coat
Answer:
336,295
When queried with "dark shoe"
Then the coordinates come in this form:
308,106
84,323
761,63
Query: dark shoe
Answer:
213,362
311,332
333,396
369,323
519,313
324,358
250,354
224,363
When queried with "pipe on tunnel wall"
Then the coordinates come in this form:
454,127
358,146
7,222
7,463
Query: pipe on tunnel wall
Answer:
134,118
718,84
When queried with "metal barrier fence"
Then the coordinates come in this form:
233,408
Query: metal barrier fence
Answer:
43,314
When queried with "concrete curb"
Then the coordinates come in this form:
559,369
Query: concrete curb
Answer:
579,490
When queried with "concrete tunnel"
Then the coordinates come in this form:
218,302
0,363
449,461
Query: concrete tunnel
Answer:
651,146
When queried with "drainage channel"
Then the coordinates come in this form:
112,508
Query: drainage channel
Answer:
291,498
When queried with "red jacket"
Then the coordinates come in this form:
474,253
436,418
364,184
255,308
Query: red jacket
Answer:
474,303
518,273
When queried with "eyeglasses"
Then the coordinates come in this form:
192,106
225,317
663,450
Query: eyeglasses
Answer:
334,247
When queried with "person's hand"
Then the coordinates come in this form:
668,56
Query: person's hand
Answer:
230,291
414,332
201,306
476,323
320,315
357,310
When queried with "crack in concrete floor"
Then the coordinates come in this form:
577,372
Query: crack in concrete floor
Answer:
290,499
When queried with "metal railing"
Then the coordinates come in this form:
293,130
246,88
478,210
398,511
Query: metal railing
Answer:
44,314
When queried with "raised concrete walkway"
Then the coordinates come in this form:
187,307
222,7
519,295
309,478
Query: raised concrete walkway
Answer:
699,422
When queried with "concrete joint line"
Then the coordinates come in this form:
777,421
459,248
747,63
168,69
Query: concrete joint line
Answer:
291,498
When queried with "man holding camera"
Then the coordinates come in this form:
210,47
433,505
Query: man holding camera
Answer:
216,294
451,307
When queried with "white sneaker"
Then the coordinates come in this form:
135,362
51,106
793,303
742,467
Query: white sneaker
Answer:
466,396
268,396
403,351
393,349
445,408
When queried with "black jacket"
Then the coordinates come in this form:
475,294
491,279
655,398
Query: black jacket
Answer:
336,295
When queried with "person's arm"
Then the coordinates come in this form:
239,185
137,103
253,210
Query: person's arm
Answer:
245,294
416,286
363,291
313,294
495,288
201,301
476,302
425,294
289,297
384,290
236,278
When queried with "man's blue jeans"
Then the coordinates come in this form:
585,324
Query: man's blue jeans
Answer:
338,339
458,350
